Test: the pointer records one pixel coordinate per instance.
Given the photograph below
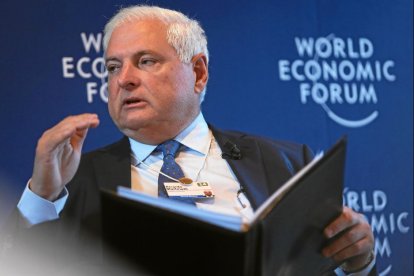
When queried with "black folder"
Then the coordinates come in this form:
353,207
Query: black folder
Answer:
285,238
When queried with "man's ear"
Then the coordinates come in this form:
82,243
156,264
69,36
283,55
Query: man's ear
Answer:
200,68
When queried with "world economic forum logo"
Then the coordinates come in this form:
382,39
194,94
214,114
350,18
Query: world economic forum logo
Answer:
90,67
334,72
388,223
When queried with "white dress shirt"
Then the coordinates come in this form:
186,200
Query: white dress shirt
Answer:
200,159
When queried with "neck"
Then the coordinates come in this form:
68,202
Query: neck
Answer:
156,134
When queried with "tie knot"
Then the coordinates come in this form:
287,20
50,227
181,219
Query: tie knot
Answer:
169,147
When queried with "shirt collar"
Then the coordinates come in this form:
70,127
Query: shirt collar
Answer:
195,137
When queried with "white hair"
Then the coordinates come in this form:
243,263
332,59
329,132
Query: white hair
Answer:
185,35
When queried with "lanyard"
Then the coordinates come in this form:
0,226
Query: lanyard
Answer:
136,162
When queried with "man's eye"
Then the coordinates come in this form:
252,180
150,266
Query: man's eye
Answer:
112,68
147,62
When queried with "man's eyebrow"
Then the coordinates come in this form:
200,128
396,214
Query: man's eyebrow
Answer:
137,54
111,59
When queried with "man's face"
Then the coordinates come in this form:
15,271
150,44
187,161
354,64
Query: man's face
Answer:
150,90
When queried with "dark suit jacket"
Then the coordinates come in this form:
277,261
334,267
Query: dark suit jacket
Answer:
264,166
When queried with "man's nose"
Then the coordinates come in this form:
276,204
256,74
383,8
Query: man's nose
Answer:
128,78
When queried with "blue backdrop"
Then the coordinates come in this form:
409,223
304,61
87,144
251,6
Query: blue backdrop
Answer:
308,71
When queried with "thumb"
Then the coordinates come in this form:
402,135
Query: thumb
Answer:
78,138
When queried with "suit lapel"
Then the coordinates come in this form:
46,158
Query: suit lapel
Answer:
249,170
113,165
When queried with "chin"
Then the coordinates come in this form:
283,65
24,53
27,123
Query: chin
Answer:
131,126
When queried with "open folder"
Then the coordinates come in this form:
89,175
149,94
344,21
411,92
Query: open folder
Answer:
284,237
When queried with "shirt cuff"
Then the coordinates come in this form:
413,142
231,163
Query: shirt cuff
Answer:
36,209
363,272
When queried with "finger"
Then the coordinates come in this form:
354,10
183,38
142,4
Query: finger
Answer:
76,125
346,239
359,248
70,126
81,131
346,219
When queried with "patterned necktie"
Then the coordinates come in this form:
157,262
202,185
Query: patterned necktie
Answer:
169,150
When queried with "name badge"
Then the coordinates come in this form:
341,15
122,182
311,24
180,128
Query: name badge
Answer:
195,189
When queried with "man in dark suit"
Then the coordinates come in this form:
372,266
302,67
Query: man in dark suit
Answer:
157,61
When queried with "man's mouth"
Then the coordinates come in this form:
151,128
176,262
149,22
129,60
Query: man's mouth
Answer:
132,101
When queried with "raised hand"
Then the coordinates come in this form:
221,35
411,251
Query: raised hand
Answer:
58,154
